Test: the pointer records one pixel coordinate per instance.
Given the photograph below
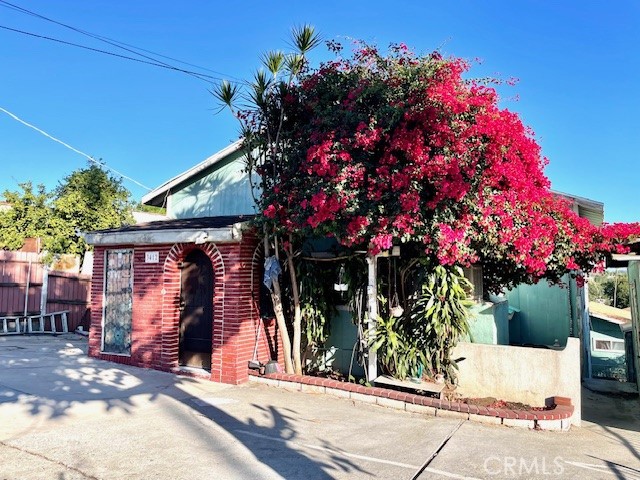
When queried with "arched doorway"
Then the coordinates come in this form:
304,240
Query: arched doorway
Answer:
196,311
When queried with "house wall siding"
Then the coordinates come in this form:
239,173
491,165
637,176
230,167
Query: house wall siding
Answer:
223,189
545,313
607,364
156,314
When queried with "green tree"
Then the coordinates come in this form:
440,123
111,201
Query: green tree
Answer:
611,288
616,290
141,207
88,199
28,216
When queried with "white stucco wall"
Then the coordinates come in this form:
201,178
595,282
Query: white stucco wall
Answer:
520,374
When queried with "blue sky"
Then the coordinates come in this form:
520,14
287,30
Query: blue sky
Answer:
576,62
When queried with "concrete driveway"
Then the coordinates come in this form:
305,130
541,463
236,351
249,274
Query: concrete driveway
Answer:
66,416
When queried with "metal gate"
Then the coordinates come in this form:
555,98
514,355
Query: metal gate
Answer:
118,301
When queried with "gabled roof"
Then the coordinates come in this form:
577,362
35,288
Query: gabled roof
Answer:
585,207
156,196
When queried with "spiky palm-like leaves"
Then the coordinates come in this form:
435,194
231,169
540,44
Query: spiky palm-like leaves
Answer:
425,336
305,38
261,127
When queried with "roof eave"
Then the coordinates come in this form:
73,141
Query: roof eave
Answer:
624,257
155,197
228,234
583,201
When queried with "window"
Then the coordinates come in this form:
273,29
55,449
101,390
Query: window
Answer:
118,302
608,345
474,275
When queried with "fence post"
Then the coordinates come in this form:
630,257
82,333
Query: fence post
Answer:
26,291
44,292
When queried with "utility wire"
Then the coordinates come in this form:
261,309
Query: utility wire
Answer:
114,42
91,159
109,41
201,76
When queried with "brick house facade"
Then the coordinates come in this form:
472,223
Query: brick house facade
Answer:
159,250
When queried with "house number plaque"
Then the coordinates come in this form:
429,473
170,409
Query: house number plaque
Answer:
151,257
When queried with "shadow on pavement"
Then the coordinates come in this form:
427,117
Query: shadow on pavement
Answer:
52,376
616,417
270,444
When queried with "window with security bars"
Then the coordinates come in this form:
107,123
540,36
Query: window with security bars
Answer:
118,301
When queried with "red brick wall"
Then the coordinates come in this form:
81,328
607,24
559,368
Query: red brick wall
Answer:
156,295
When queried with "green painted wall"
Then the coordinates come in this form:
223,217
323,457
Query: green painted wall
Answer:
545,313
337,354
482,324
222,189
489,323
607,364
633,272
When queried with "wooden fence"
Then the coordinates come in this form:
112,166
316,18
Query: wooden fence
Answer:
28,288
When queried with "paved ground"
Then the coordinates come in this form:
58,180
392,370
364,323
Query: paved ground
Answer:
66,416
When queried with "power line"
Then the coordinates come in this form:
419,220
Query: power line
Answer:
108,40
201,76
91,159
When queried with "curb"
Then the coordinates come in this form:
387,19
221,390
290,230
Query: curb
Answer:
556,419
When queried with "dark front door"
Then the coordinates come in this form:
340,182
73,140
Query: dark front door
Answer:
196,305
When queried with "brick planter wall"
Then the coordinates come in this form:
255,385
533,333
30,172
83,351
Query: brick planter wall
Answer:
558,418
156,315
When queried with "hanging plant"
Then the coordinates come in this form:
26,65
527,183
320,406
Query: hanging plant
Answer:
316,303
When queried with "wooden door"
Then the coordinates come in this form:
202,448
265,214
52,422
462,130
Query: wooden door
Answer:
196,305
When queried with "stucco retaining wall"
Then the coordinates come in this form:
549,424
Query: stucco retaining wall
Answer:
521,374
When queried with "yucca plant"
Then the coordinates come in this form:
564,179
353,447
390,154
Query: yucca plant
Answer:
439,318
259,107
424,337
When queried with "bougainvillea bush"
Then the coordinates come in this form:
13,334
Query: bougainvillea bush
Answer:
385,149
380,149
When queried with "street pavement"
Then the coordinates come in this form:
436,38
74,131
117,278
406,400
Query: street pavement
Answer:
65,416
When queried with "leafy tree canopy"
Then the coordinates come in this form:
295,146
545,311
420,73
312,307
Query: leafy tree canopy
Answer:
141,207
28,215
611,288
88,199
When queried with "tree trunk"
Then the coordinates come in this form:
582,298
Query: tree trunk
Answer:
276,298
297,318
